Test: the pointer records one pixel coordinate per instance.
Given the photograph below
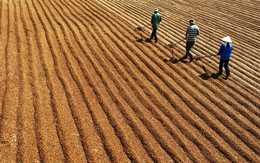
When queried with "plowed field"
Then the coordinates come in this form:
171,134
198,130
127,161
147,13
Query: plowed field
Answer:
78,84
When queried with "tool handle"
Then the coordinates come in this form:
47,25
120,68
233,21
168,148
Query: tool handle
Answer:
204,56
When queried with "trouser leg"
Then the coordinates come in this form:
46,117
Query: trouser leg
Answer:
189,45
226,67
221,62
153,33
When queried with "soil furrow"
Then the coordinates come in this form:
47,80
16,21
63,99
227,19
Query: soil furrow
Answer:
10,103
122,89
245,113
105,79
225,16
64,30
67,84
143,13
250,145
195,47
229,113
220,29
67,127
145,102
1,13
220,36
242,13
27,150
80,83
128,79
3,48
42,100
44,47
195,15
189,105
45,50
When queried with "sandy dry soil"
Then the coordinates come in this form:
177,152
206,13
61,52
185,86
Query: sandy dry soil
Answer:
78,85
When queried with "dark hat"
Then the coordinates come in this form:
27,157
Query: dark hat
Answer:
192,21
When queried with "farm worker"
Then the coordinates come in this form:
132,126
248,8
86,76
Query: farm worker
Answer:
191,33
155,21
225,52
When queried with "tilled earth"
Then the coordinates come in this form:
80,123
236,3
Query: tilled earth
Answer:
79,83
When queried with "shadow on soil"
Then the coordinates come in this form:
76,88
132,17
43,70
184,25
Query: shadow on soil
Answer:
140,40
172,60
183,60
144,40
175,60
207,76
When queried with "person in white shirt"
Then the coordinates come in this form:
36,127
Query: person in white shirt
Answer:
191,33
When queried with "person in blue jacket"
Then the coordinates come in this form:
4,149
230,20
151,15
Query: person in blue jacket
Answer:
225,53
155,21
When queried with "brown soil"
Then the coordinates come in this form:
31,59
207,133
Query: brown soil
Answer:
79,84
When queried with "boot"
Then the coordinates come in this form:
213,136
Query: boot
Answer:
228,74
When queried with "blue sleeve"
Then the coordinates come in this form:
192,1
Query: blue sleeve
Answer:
220,49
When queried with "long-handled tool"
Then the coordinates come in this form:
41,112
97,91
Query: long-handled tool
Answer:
142,30
204,56
172,45
139,28
204,68
173,59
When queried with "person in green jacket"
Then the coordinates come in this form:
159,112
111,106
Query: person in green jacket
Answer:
155,21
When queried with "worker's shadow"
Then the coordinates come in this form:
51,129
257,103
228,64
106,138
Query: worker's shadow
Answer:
205,76
215,76
144,40
140,40
172,60
182,60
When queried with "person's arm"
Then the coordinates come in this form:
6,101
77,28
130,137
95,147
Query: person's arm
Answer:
198,32
220,49
187,33
152,19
